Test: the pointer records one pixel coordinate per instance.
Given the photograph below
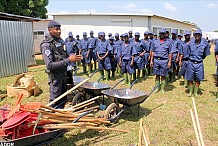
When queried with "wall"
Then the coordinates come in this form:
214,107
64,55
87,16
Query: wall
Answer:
113,24
16,47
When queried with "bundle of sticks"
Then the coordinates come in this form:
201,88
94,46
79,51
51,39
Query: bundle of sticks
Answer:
143,133
79,116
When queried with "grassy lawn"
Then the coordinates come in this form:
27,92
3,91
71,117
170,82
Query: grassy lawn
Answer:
166,115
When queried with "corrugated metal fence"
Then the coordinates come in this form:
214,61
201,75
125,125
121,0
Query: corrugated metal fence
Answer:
16,47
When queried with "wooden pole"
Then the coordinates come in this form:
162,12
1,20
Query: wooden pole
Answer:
92,99
140,132
67,92
197,121
146,134
195,128
144,137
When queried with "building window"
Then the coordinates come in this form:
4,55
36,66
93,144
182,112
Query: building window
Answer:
38,33
181,32
155,30
168,29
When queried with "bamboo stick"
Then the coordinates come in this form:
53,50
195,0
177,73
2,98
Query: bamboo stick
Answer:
53,109
145,140
88,109
84,105
140,132
146,134
195,128
92,99
197,121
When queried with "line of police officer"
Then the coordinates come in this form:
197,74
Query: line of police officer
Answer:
168,57
129,55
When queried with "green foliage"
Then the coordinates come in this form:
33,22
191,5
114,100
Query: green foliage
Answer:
215,31
32,8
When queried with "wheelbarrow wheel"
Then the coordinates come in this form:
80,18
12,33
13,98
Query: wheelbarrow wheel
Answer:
78,98
111,113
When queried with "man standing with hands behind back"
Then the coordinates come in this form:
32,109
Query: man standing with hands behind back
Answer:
56,61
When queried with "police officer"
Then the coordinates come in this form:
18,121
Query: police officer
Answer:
118,44
56,61
179,37
109,35
155,36
197,51
161,58
84,51
121,37
167,35
183,61
176,45
131,38
127,54
70,37
146,43
112,55
92,51
78,47
103,49
139,58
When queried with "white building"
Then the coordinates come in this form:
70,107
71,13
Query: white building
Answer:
116,23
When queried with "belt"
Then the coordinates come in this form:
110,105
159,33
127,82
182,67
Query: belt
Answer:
195,62
160,58
185,59
57,75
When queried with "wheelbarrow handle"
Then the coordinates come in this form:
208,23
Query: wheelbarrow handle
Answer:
82,115
155,87
132,84
100,79
93,74
117,83
75,71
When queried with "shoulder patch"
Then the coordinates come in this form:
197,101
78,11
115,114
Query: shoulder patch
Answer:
47,52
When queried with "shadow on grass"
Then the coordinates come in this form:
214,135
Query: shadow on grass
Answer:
94,136
3,92
170,87
215,79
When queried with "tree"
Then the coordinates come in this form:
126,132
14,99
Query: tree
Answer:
215,31
32,8
196,26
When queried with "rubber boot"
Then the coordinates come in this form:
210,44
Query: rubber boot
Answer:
129,79
145,73
125,78
84,69
95,65
90,69
196,91
107,74
191,89
157,82
101,73
167,79
138,74
164,83
134,76
113,75
185,83
172,77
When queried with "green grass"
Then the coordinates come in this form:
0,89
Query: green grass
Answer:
166,115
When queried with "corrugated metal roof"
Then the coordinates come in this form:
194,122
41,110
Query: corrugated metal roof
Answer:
116,14
7,16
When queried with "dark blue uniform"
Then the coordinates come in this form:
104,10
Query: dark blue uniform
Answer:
127,51
176,46
161,52
197,53
84,46
56,61
146,45
102,48
92,47
138,61
183,51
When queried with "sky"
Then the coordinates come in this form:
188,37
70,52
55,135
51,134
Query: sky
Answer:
202,12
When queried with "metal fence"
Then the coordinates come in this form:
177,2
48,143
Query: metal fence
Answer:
16,47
